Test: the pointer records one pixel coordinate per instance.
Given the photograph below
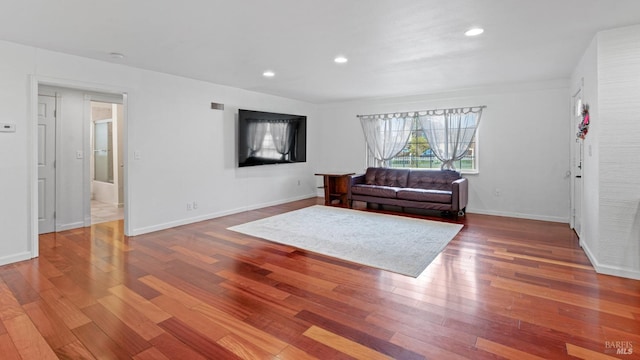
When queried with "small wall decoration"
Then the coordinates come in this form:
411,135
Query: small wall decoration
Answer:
583,127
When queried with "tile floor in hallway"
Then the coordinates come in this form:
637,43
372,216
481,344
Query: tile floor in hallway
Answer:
103,212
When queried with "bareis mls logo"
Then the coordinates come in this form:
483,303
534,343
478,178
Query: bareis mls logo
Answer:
618,347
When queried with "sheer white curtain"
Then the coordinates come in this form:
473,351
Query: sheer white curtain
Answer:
256,131
450,132
282,134
386,135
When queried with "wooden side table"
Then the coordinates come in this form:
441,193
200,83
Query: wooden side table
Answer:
336,187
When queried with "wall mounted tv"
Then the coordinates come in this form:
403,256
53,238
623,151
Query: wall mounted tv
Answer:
270,138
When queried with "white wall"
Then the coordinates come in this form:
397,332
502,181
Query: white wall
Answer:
523,148
187,150
613,245
17,61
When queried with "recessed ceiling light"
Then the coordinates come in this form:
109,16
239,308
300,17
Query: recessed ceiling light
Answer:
474,31
116,55
340,60
268,73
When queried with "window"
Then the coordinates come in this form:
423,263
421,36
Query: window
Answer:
418,154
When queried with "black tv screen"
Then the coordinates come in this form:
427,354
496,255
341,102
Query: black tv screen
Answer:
271,138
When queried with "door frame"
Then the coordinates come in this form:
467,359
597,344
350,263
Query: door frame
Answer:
32,151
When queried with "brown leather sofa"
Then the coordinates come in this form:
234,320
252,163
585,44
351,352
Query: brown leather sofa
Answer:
443,190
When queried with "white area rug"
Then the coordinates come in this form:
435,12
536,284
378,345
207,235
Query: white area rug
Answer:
395,243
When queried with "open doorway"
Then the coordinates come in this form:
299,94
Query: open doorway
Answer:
106,162
89,157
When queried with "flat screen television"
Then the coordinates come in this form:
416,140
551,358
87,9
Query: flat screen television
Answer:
270,138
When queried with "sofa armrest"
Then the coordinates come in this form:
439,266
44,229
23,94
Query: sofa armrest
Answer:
459,194
356,179
353,180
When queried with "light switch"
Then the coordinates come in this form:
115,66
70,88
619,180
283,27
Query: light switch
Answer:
7,127
136,155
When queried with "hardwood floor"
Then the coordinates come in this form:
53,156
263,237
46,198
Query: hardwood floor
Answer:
503,288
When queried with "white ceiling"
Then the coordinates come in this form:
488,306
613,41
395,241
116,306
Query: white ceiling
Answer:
395,47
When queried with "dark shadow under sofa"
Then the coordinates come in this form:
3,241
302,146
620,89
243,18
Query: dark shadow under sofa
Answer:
443,190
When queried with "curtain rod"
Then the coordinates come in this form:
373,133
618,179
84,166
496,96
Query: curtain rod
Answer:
427,111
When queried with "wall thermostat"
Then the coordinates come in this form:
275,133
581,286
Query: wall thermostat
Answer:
7,127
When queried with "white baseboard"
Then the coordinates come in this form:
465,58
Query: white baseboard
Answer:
70,226
557,219
15,258
609,269
195,219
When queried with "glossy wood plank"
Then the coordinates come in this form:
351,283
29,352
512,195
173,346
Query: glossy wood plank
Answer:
170,291
587,354
194,255
566,297
171,347
131,317
9,306
435,350
293,353
195,340
243,348
351,334
346,346
8,348
78,293
504,351
74,350
127,338
99,343
142,305
66,310
199,323
21,289
254,286
34,277
260,338
502,288
28,341
49,324
151,354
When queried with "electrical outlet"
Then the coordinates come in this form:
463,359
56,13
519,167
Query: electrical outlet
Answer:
195,205
189,207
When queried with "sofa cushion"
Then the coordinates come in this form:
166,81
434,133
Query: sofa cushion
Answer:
375,190
437,196
432,179
386,177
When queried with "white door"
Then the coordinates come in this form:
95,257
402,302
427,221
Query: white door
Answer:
578,163
577,187
46,163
